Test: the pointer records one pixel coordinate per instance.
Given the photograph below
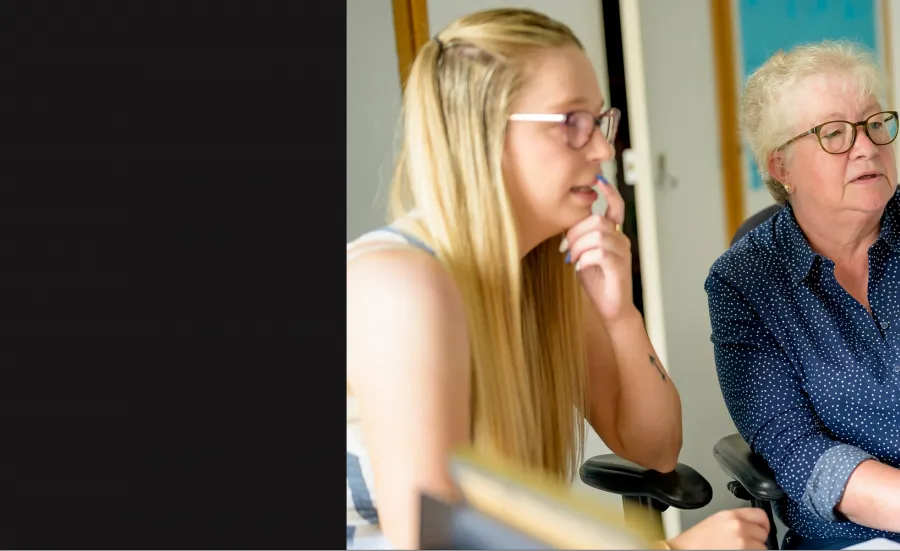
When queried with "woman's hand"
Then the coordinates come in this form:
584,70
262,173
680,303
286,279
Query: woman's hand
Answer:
602,256
745,528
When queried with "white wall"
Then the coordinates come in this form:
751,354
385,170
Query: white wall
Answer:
373,112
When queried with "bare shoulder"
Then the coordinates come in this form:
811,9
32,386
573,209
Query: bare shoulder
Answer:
406,281
408,369
402,298
380,271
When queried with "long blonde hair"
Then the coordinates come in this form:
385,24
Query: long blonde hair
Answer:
524,316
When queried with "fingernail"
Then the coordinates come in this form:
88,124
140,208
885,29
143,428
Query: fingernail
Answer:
564,245
578,266
568,257
602,179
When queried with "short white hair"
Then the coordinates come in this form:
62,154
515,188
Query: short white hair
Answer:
764,121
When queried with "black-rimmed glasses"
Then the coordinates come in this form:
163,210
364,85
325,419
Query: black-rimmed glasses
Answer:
838,137
580,125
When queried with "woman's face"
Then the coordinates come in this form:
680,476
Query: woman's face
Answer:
861,179
547,178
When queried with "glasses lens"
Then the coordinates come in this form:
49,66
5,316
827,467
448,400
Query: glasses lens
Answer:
882,128
836,137
581,127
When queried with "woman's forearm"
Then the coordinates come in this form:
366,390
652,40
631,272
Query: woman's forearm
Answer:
649,407
872,496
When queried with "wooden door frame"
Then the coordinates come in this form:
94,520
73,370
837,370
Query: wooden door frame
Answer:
727,95
410,33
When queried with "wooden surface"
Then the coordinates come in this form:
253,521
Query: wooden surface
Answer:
729,131
410,33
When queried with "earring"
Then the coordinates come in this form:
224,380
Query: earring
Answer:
788,188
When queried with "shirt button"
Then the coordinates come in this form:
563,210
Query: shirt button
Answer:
897,369
885,325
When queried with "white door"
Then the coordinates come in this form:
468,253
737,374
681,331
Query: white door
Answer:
671,85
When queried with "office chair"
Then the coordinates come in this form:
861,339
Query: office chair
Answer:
754,221
646,493
752,479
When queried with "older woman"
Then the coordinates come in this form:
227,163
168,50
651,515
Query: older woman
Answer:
804,308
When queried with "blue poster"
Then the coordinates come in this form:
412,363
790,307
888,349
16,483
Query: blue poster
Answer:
771,25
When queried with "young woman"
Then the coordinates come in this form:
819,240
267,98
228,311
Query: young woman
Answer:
496,309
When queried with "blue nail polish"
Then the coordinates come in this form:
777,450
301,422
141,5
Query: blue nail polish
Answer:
568,258
602,180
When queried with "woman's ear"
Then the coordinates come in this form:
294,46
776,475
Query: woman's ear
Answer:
777,167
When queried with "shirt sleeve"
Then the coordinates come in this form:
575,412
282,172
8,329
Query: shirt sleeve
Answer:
764,396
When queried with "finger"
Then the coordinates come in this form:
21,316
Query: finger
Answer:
755,543
610,241
592,257
591,223
587,241
758,534
597,257
615,204
753,515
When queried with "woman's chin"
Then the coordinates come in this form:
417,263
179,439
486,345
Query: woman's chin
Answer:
579,214
873,198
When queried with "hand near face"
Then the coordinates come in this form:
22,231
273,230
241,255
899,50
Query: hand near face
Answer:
602,255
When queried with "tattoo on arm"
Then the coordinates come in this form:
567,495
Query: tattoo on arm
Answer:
658,368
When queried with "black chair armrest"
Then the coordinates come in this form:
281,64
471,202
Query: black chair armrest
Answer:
683,488
747,468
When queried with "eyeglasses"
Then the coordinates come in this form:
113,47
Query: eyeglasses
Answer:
838,137
580,125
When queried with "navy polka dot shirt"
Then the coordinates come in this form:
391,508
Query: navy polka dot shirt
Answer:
811,379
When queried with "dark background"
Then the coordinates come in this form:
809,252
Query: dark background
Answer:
618,97
171,181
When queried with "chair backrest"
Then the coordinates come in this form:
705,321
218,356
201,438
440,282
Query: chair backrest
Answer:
754,221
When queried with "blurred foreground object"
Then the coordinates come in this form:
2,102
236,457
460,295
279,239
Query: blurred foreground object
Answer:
507,507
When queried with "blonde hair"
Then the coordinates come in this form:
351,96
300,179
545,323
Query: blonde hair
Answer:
524,316
765,120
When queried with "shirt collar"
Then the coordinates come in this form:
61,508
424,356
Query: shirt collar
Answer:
890,222
800,256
